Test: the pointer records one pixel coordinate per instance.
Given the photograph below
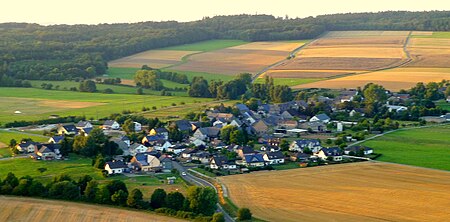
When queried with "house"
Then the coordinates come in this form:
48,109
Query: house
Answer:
126,140
151,140
446,116
245,150
67,129
334,153
198,142
397,109
137,127
122,145
236,123
274,157
261,127
161,145
356,149
300,145
83,124
137,148
321,118
317,127
288,124
166,163
207,133
161,132
187,153
300,157
49,151
220,123
222,163
269,148
184,126
274,142
254,160
85,131
202,157
357,111
211,116
111,125
55,139
145,162
176,149
27,147
347,95
115,167
286,115
242,108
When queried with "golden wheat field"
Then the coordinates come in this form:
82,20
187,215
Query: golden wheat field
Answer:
368,41
307,73
394,79
38,210
349,192
358,52
152,58
357,34
276,46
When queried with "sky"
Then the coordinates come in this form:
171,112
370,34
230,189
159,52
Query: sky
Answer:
48,12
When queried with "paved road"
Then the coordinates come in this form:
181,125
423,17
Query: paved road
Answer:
203,183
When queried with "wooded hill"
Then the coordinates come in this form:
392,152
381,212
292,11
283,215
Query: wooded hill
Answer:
58,52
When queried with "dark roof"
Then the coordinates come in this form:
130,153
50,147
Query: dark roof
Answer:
242,107
183,125
154,138
57,139
275,155
322,117
87,130
26,144
124,138
161,130
82,124
210,131
247,150
190,151
70,128
254,158
116,165
332,151
109,122
51,147
220,160
307,142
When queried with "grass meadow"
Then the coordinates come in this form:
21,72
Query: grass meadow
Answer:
425,147
206,46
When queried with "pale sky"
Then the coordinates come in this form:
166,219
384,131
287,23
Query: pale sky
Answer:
114,11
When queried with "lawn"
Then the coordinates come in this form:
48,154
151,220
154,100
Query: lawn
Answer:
426,147
443,104
206,46
286,166
77,166
39,104
289,81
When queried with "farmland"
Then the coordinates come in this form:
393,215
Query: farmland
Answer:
348,192
40,104
29,209
426,147
429,54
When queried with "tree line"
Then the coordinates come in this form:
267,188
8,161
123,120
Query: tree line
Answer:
198,203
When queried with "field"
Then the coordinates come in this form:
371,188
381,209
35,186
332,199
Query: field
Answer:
394,79
429,53
289,82
349,192
251,58
37,210
77,167
427,147
342,53
40,104
165,57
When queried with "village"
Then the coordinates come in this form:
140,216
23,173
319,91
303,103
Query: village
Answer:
240,139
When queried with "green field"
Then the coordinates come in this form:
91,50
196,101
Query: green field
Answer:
289,81
76,167
39,104
117,89
123,73
206,46
443,35
443,104
425,147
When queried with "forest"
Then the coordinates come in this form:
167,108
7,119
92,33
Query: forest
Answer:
60,52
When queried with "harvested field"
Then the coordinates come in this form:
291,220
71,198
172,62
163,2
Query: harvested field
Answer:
430,58
275,46
305,73
152,58
429,43
358,34
29,209
338,63
395,79
422,33
349,192
353,52
388,41
235,60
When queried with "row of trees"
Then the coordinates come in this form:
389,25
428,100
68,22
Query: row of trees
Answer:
233,89
171,76
197,202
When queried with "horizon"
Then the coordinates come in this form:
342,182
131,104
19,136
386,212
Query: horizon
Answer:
100,12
